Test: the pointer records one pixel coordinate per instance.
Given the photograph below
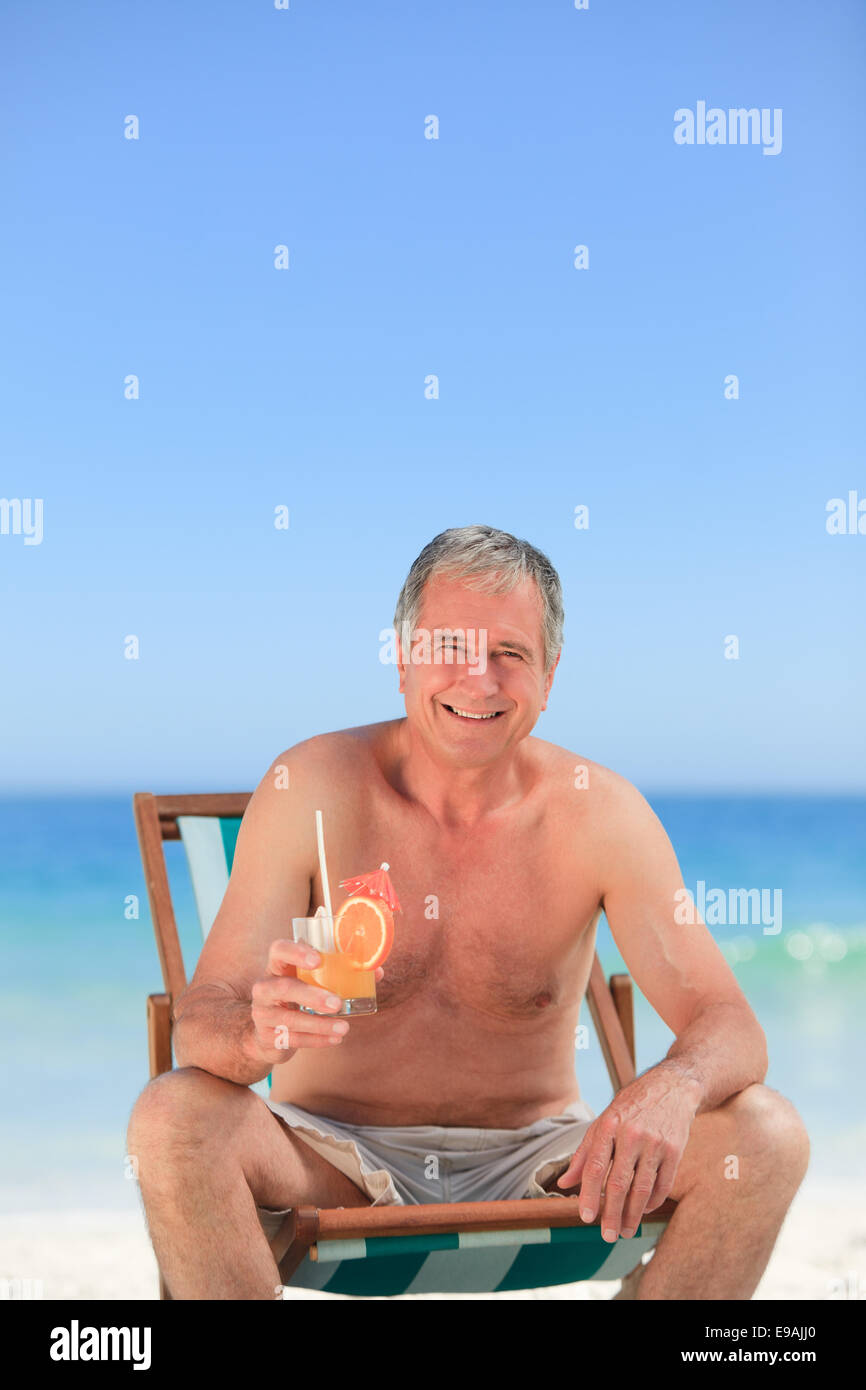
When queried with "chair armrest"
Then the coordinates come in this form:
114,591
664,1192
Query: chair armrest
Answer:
159,1033
432,1218
303,1227
623,999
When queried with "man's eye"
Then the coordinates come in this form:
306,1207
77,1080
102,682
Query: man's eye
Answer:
517,654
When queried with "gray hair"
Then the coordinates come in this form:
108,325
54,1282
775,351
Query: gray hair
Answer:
491,562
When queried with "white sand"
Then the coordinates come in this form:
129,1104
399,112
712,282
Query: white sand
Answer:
820,1254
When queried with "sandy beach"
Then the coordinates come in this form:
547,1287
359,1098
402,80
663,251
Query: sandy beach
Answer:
820,1254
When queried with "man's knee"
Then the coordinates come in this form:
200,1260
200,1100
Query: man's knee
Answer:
774,1122
771,1127
182,1109
756,1128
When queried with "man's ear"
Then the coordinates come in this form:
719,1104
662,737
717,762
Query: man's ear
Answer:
548,679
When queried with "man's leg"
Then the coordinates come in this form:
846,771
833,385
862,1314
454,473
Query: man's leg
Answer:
208,1153
720,1239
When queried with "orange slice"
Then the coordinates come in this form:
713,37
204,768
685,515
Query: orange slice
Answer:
364,930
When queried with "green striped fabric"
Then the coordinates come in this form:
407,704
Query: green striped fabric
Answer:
449,1262
209,842
472,1261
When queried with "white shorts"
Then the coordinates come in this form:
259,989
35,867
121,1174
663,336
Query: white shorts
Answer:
433,1163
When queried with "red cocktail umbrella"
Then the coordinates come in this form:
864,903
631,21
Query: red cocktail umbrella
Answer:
375,884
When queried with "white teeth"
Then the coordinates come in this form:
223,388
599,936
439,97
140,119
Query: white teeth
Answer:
467,715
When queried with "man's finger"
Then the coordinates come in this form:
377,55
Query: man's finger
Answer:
664,1181
266,1018
291,1039
641,1189
291,992
629,1146
571,1176
594,1168
617,1189
286,954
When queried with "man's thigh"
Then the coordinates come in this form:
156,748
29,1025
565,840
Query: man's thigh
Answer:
293,1174
189,1111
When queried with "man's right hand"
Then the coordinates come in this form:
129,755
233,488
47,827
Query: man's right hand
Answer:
279,1024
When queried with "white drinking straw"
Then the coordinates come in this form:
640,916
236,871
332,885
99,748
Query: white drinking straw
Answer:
322,865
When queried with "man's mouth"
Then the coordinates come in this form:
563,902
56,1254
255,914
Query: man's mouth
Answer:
481,716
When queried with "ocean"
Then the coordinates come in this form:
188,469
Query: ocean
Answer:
75,972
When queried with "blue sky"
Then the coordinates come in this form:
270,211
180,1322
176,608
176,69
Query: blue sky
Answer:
411,257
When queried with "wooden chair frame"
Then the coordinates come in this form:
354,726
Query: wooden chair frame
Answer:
610,1003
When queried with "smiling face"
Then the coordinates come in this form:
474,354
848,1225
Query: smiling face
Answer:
442,697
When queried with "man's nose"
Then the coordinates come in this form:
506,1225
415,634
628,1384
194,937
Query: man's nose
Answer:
478,684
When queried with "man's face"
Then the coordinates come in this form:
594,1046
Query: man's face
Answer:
509,683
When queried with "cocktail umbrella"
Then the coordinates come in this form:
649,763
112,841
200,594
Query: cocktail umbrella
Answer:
375,884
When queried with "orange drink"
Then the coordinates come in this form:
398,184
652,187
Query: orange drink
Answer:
352,945
339,974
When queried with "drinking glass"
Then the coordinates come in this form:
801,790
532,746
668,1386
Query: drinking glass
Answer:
337,973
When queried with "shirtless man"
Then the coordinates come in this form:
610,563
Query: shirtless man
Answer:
478,1006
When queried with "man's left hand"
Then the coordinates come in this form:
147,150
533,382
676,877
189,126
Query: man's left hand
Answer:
644,1131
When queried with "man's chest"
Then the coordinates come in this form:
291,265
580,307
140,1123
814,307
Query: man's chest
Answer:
497,920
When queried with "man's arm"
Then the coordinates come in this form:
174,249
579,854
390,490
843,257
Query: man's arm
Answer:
270,883
720,1046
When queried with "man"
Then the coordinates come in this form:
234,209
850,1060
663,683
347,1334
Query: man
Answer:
504,850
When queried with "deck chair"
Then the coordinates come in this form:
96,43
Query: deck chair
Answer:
461,1247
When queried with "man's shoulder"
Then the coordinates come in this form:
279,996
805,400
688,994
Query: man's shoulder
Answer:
338,749
555,757
606,791
320,772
